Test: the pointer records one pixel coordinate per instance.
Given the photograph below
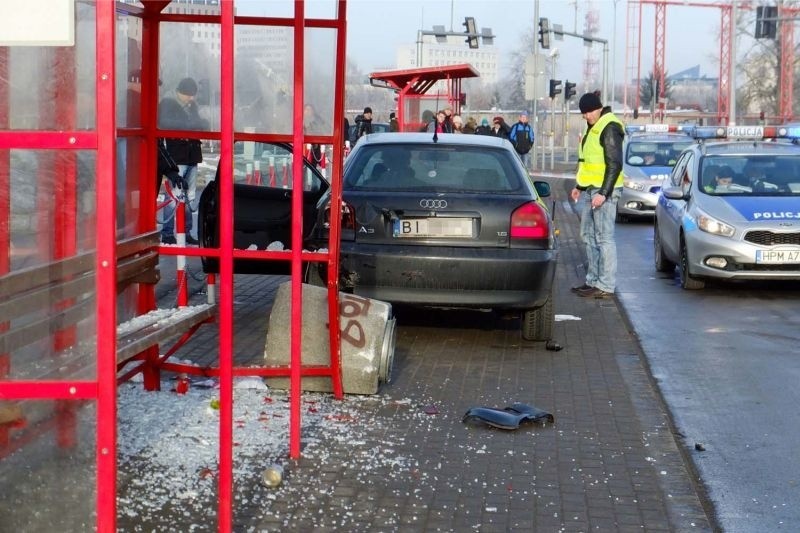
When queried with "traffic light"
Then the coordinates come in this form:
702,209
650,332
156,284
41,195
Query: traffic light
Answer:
766,23
569,90
471,31
544,32
555,88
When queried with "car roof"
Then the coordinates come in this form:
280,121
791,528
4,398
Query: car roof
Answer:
649,136
749,148
442,139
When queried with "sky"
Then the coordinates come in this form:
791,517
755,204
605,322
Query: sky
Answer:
377,27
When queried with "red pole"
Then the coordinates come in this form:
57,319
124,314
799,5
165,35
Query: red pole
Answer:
147,190
336,200
180,260
105,265
296,330
225,487
272,173
257,172
5,210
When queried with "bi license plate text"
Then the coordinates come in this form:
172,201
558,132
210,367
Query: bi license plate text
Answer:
432,227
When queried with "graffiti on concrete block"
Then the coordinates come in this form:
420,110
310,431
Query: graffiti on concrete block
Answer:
353,307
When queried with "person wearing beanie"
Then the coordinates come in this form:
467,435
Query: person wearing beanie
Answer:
181,113
484,128
521,136
393,124
597,191
365,124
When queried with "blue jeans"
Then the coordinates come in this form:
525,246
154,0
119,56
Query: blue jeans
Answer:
597,234
189,172
526,160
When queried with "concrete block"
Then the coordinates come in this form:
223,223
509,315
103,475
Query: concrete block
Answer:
367,331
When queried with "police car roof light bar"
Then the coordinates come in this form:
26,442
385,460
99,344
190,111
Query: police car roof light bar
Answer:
658,128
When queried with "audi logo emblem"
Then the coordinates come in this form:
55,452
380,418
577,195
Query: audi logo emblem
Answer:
426,203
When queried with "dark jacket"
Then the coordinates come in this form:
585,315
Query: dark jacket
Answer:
364,127
502,131
173,116
394,125
521,136
611,140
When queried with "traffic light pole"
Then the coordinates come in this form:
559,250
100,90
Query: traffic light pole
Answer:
590,39
536,135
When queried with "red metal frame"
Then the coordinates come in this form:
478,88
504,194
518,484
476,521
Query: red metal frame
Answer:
726,44
414,83
786,95
104,388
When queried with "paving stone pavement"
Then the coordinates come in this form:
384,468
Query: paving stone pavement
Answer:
609,463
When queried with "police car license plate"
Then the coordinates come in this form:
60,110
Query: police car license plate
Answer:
432,227
777,257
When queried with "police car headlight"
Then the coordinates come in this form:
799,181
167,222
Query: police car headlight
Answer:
635,185
714,226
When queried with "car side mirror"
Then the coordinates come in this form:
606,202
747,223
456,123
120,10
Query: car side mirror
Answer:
542,188
674,193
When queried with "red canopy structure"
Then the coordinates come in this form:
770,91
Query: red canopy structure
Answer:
413,85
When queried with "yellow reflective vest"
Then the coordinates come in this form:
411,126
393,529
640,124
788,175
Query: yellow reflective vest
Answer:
592,166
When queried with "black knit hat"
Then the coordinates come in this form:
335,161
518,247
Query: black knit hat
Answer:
187,86
367,110
589,102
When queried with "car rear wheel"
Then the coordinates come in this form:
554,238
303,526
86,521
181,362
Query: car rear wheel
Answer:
662,263
537,324
687,281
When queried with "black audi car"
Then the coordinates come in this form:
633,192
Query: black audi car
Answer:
446,221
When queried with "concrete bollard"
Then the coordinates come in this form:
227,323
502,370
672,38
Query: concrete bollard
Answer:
368,339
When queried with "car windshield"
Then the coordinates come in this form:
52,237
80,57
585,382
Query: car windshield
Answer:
439,167
762,175
655,153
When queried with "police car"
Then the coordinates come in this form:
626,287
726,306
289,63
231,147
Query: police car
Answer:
649,153
731,207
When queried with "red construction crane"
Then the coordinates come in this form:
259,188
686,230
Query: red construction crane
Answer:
634,26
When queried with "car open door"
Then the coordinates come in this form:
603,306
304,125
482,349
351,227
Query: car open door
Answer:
262,210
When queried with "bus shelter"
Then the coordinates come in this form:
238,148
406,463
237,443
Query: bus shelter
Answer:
424,89
79,245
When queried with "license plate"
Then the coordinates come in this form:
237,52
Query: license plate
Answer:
777,257
432,227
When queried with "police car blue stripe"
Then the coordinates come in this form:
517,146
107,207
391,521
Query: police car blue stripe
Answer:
766,208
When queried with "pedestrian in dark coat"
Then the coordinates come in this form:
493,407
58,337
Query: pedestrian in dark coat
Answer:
365,124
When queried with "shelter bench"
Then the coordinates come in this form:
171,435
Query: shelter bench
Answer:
52,302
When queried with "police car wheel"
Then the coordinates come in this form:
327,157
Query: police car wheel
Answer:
687,281
662,263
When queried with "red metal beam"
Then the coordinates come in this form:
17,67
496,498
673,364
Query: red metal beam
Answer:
225,485
659,67
786,93
726,40
296,330
336,199
105,266
726,29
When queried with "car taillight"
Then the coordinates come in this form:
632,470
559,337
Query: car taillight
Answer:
348,216
530,221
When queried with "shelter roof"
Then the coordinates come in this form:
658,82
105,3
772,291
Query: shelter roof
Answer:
422,79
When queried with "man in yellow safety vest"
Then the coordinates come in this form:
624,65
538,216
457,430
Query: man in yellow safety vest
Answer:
597,191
